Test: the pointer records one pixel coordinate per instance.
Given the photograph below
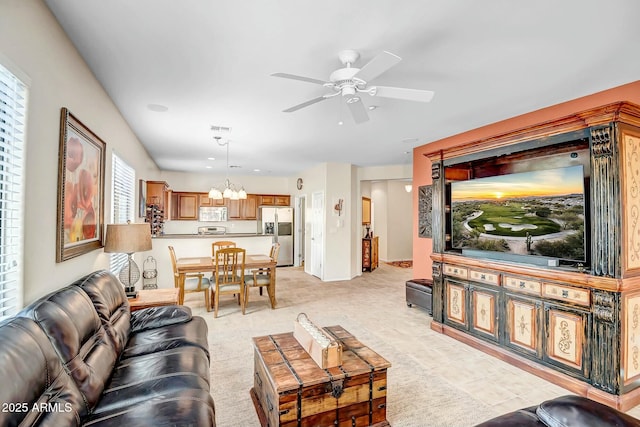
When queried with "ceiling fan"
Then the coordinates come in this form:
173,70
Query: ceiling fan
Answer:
351,81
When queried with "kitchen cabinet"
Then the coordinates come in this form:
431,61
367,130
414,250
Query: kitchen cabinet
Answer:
158,196
243,208
204,200
184,206
274,200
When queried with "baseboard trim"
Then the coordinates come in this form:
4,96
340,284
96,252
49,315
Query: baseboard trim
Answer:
574,385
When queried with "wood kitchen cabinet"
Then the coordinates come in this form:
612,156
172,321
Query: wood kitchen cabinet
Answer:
243,208
158,195
204,200
185,206
274,200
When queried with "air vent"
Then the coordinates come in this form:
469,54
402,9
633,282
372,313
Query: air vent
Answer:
220,129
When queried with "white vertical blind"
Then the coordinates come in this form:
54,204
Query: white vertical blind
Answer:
13,109
123,191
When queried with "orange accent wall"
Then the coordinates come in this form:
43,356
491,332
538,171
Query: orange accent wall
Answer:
422,166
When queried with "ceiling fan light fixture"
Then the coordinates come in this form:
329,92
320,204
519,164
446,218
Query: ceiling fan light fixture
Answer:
353,100
229,191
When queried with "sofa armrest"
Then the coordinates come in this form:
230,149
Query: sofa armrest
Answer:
583,412
156,317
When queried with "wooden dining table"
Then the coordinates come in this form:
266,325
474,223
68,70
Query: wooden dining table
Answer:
205,264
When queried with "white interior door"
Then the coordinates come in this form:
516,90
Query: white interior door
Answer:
300,224
317,225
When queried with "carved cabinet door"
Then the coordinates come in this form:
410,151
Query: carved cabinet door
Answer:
566,344
523,324
456,304
484,312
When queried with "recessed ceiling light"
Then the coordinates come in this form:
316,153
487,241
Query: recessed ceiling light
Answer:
408,140
372,107
256,170
208,167
157,108
340,123
211,158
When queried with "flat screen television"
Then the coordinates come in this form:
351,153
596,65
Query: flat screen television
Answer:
538,214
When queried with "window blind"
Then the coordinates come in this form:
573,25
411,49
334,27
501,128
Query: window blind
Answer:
123,191
13,110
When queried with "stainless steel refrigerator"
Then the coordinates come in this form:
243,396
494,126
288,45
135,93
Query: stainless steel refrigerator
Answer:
279,223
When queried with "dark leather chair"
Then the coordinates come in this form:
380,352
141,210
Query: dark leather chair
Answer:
82,348
565,411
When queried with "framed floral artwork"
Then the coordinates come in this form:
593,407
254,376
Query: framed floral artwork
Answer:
80,224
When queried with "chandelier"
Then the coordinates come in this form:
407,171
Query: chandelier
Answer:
228,190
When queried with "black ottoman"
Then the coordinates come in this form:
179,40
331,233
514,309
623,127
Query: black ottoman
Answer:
420,292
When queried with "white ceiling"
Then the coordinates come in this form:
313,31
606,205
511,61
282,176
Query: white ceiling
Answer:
209,62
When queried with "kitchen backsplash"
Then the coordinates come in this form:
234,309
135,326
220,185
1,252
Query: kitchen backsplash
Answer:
191,227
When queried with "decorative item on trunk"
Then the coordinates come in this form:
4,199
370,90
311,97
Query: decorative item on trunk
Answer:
150,274
323,348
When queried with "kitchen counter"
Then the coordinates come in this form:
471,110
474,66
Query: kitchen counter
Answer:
209,236
198,245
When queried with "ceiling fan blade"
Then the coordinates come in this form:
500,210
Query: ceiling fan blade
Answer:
377,66
301,78
357,109
402,93
305,104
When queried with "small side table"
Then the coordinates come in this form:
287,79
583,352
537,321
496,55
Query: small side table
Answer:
154,297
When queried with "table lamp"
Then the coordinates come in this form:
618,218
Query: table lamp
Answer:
127,239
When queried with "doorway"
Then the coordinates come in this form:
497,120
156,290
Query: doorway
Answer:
317,225
300,225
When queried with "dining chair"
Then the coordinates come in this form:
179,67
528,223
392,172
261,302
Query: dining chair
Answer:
229,276
221,245
261,277
193,282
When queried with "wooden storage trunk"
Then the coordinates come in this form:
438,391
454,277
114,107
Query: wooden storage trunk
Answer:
290,389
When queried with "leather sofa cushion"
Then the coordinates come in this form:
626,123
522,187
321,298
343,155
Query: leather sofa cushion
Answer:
72,325
35,387
193,410
111,304
192,333
156,317
138,369
520,418
580,411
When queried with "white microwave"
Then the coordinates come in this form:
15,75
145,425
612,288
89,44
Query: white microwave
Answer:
212,213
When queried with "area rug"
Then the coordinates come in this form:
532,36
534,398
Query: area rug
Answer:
401,264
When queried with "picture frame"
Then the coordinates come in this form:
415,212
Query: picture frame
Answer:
142,198
80,210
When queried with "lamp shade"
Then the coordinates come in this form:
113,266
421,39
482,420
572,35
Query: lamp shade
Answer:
128,238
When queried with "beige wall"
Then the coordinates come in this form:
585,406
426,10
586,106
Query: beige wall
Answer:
392,212
32,42
33,45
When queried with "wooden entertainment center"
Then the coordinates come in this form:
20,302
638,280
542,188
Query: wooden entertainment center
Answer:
576,324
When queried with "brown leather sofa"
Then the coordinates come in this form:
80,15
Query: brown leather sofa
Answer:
79,356
565,411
